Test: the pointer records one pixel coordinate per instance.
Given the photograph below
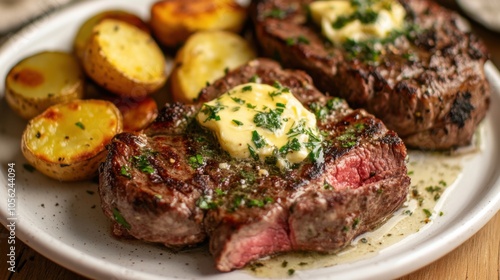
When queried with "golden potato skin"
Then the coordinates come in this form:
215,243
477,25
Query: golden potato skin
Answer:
205,57
67,141
42,80
82,37
173,21
124,59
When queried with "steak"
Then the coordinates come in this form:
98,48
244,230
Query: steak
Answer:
173,184
426,83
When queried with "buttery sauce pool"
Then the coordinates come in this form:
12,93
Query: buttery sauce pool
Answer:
432,177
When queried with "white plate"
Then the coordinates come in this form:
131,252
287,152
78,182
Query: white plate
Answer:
64,221
486,12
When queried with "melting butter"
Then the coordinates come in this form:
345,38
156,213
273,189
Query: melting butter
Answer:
262,122
357,20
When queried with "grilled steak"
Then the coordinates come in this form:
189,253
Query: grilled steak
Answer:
174,185
427,84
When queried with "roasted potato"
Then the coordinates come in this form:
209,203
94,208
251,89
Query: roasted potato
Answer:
124,59
137,113
204,58
83,35
173,21
67,141
42,80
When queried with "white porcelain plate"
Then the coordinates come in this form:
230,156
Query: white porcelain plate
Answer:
64,221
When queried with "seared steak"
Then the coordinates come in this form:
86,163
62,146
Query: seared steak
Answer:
427,84
174,185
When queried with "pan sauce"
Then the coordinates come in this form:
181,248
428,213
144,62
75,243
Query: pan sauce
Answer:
432,177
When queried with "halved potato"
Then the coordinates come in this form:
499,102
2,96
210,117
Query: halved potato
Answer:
173,21
124,59
42,80
67,141
205,57
83,35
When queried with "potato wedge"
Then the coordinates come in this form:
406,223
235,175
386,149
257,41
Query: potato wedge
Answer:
42,80
124,59
204,58
173,21
83,35
67,141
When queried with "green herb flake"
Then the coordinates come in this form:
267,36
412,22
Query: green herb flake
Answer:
219,192
124,171
270,120
196,161
427,212
237,122
284,263
238,100
80,125
253,153
276,13
258,140
141,162
255,79
246,88
291,271
355,223
119,219
211,111
205,202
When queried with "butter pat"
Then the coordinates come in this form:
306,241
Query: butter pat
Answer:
360,20
262,122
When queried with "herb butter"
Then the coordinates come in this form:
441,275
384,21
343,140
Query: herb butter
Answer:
263,122
357,20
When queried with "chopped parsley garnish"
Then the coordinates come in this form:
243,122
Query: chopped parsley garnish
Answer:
291,145
255,79
270,120
246,88
80,125
258,140
297,40
251,106
125,171
119,219
211,111
141,162
206,203
276,13
238,100
253,153
427,213
237,122
196,161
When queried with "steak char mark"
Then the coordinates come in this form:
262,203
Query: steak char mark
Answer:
428,84
174,185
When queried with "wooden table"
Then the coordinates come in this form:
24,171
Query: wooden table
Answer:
477,258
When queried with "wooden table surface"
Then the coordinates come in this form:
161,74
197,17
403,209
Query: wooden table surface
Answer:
477,258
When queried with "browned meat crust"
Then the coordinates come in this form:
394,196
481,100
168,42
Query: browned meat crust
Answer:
153,190
428,85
